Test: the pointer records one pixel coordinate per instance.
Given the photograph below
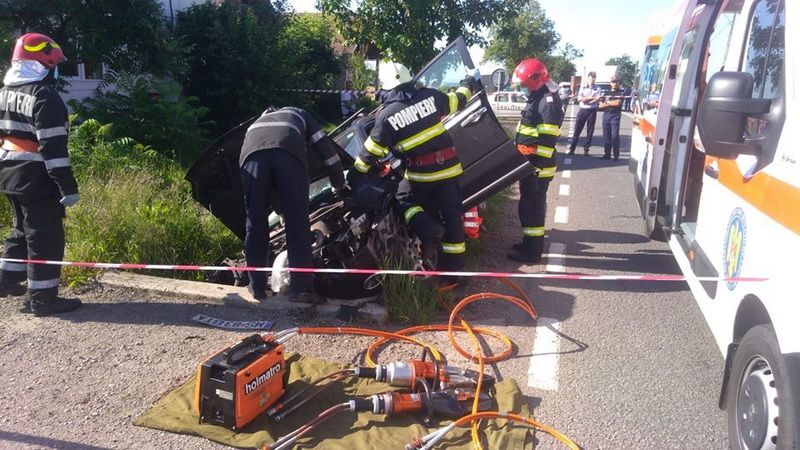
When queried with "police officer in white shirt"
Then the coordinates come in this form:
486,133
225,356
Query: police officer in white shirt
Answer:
589,98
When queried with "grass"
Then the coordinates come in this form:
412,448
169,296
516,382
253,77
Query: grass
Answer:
414,300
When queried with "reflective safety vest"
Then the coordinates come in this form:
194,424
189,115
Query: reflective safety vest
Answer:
538,131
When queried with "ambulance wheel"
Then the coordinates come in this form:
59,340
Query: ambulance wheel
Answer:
759,406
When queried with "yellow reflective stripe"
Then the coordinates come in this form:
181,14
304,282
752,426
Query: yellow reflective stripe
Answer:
547,172
526,130
421,137
465,91
547,152
454,248
375,148
361,166
546,128
453,99
533,231
40,46
435,176
411,212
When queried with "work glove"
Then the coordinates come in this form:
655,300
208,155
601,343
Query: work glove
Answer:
69,199
473,81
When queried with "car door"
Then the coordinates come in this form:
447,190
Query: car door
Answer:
489,158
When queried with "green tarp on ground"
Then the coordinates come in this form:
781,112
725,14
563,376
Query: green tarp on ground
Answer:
348,430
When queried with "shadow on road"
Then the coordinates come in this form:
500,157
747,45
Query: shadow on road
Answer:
19,438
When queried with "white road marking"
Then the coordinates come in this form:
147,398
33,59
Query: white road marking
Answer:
563,190
555,257
543,368
567,161
566,173
562,214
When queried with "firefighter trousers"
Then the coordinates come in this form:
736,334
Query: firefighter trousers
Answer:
532,211
38,233
428,206
276,171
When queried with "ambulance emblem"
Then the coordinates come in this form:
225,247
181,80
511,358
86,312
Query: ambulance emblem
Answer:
733,250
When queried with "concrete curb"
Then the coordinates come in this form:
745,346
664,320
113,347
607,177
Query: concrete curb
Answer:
239,296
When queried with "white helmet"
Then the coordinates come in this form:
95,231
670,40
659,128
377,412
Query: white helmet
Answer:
393,74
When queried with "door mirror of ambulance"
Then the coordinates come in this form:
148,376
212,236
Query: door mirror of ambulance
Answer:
726,106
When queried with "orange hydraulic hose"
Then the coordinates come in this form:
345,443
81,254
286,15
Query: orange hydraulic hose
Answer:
507,350
517,418
367,332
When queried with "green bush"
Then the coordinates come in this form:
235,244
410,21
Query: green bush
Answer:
151,112
135,207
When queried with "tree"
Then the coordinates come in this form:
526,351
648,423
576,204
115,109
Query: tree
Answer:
234,61
129,35
531,34
407,32
626,69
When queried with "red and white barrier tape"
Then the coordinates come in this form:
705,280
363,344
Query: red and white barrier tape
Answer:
550,276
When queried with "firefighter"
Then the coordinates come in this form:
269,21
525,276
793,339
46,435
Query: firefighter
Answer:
410,124
537,133
35,173
279,150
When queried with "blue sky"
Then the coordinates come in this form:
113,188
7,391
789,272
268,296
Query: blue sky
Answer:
602,29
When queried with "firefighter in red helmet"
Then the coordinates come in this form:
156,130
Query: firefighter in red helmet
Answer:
537,133
35,174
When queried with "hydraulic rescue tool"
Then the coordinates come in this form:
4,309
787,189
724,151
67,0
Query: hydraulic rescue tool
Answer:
452,403
398,374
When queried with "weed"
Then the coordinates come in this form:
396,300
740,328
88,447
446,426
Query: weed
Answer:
409,299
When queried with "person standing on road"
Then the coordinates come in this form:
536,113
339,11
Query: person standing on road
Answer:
279,150
537,134
588,101
612,113
35,174
411,124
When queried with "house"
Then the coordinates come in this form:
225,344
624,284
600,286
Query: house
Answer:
84,77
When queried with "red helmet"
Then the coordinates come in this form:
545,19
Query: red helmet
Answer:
531,73
38,47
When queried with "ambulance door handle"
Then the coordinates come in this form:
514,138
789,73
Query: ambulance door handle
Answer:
474,117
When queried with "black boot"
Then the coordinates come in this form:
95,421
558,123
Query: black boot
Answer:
306,297
430,248
26,307
529,252
518,247
11,289
54,305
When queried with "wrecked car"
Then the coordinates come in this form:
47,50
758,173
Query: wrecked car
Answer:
365,232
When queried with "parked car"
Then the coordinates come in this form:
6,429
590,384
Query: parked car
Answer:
508,104
367,231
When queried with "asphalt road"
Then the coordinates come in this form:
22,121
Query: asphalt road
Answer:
611,364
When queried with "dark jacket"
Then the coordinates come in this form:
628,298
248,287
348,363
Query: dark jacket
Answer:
294,129
539,129
34,112
411,125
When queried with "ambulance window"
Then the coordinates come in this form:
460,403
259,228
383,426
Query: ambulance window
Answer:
720,41
765,48
764,59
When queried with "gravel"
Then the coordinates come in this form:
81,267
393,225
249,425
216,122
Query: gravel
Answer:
79,379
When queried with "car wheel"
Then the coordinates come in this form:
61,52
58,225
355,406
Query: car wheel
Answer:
759,406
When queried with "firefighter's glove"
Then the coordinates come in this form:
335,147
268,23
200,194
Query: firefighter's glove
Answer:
69,200
473,81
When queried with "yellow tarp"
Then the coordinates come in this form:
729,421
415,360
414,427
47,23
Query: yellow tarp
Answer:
346,431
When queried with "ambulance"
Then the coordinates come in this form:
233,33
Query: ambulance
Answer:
716,161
